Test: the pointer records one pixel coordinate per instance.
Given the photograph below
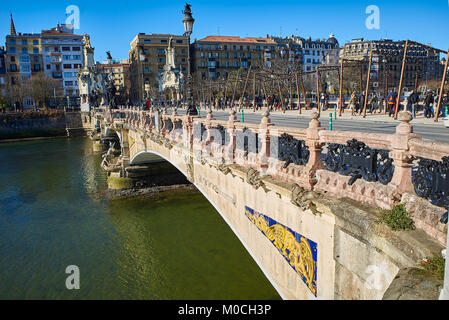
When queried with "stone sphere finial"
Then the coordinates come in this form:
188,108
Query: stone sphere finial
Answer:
405,116
404,127
266,118
314,123
232,117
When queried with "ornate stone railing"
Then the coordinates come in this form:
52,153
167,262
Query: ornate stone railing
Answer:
377,169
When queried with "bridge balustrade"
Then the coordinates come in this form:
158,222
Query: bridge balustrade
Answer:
374,168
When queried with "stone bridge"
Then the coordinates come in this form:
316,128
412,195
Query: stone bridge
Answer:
305,203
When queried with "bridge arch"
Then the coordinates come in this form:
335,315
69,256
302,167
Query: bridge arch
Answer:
151,154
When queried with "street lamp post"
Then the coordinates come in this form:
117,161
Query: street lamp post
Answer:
188,27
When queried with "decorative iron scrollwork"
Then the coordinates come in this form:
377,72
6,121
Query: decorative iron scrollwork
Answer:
358,160
224,135
198,130
431,181
292,150
243,141
168,125
178,124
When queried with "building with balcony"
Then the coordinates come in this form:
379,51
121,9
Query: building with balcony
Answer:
217,56
121,75
2,72
147,60
62,57
23,59
422,63
310,53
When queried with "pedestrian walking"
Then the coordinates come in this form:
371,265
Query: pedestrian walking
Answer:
412,103
352,103
391,101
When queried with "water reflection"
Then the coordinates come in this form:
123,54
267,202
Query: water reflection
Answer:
53,213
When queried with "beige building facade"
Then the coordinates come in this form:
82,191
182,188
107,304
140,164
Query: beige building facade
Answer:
147,59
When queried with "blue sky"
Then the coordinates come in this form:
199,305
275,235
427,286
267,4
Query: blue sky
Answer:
113,24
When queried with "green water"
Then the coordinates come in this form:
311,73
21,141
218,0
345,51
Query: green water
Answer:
54,213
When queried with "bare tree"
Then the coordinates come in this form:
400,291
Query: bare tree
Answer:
42,88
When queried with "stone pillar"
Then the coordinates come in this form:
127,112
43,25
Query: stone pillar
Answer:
229,150
264,135
402,159
307,178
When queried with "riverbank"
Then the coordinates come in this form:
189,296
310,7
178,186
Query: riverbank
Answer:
32,136
18,126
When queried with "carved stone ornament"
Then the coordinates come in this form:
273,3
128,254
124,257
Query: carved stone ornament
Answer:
253,178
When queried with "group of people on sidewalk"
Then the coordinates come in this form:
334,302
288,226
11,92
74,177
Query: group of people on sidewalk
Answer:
356,104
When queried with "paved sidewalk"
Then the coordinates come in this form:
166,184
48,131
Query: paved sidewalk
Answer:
420,119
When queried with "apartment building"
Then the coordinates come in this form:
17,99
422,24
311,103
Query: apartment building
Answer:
62,57
422,64
23,59
147,60
217,56
2,72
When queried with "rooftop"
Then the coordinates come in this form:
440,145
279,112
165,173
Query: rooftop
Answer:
231,39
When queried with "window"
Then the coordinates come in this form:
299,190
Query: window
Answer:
13,59
65,48
24,58
178,41
202,64
36,50
25,50
67,66
25,68
24,42
163,41
12,41
161,60
36,58
12,50
66,58
68,83
77,57
35,42
146,69
236,64
13,68
48,66
68,74
47,49
147,41
160,51
37,67
76,49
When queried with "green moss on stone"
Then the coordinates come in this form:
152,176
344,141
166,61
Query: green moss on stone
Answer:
115,183
398,218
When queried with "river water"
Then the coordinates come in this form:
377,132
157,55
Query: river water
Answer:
54,212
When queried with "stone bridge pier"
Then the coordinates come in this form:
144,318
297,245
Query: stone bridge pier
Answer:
305,203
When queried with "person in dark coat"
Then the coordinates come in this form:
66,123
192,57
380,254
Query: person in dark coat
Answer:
412,103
